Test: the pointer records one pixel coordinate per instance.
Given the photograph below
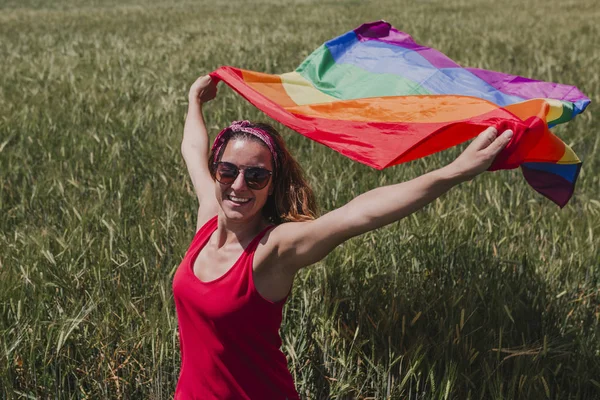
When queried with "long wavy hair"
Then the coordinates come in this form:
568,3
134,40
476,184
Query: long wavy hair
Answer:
293,199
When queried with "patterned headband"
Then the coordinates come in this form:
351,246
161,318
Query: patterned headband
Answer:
246,127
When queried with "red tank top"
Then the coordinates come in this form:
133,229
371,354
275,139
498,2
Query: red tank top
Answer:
228,333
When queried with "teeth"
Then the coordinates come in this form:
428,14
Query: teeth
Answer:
238,199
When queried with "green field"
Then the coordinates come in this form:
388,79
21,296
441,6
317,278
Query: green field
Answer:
491,292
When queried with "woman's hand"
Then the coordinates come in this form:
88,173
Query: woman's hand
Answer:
480,154
203,90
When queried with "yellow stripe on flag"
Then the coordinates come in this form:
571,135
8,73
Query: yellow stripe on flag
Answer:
302,91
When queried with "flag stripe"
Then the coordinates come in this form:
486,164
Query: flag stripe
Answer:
415,109
302,91
567,171
553,186
268,85
530,88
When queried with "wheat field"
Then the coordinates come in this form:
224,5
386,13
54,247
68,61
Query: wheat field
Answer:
490,292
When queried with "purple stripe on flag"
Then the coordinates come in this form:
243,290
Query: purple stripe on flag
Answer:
384,32
554,187
528,88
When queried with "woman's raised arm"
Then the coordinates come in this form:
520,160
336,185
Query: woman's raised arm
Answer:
194,146
299,244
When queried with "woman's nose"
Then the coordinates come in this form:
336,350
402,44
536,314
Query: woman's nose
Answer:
239,183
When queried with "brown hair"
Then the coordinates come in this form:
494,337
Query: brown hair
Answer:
292,200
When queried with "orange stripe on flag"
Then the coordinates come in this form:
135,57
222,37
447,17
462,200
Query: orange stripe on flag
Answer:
416,109
269,86
529,108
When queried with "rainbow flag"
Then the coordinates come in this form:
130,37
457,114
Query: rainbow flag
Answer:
378,97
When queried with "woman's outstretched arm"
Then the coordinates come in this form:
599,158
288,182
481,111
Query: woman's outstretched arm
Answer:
194,146
297,245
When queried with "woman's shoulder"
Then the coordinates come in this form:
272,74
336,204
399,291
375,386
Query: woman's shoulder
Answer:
282,235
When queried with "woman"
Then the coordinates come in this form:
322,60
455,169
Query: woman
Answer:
256,229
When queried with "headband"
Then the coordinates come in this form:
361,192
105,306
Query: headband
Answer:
246,127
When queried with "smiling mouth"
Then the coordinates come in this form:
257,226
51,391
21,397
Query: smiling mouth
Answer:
238,200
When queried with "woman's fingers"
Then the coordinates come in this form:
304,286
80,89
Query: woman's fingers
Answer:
203,89
205,80
490,141
485,138
500,142
202,81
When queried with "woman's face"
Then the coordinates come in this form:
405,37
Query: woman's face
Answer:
237,200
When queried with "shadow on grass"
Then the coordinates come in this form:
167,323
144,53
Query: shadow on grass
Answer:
444,321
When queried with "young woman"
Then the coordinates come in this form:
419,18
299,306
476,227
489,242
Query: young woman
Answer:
257,227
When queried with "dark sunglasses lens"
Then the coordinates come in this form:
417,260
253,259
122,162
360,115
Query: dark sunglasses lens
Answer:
226,173
257,178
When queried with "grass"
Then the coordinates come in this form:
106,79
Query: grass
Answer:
491,292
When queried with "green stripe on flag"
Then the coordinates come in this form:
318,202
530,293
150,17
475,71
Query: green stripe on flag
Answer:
348,82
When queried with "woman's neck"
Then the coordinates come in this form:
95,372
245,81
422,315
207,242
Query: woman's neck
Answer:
231,231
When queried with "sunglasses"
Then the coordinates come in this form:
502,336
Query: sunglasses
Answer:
256,177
